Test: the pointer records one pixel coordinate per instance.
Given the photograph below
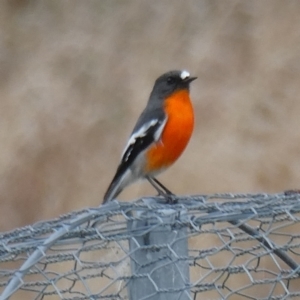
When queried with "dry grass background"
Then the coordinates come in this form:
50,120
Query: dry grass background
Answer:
74,76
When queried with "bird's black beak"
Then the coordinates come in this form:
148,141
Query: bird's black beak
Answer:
190,79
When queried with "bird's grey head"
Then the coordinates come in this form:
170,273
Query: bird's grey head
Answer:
170,82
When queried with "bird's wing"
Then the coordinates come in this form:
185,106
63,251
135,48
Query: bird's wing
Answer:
147,130
142,138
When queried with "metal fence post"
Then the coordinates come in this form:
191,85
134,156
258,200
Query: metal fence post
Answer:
159,257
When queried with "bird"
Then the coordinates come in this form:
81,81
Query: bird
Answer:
160,135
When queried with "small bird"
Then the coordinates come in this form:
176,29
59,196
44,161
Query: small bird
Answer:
160,135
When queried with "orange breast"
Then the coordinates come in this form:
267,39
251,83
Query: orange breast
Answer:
176,134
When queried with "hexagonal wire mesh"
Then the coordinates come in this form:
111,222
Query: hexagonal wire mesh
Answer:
203,247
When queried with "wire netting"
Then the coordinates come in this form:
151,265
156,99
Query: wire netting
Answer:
222,246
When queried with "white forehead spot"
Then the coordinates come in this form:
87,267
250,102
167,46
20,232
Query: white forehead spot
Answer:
184,75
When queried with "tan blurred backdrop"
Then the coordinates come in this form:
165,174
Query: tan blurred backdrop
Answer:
74,76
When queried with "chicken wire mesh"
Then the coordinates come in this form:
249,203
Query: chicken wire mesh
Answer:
202,247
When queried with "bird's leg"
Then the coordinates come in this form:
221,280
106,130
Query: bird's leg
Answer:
167,191
161,189
158,189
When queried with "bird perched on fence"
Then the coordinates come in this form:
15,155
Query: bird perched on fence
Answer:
160,135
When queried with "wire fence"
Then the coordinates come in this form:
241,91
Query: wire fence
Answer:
222,246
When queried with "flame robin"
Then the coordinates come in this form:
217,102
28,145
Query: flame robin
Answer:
160,135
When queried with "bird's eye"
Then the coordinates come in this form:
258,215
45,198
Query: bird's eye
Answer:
170,80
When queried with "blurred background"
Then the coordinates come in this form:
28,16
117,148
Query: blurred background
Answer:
75,75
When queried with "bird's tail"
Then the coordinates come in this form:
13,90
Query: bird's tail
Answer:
119,182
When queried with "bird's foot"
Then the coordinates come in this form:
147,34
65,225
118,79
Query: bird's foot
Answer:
169,197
